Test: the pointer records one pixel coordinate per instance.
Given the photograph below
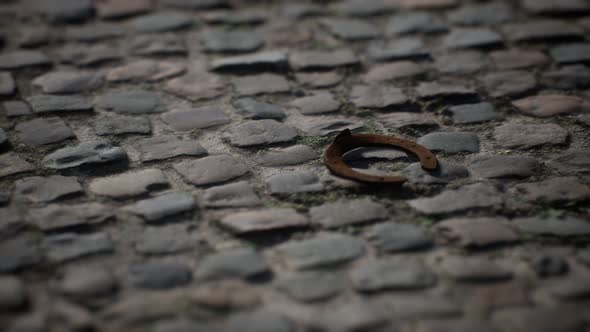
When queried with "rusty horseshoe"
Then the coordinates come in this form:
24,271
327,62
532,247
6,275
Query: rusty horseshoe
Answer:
346,141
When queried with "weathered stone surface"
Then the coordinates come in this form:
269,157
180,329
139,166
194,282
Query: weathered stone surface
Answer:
398,237
16,108
310,60
57,216
269,59
156,208
428,4
509,83
471,38
168,239
529,135
408,119
93,32
84,55
380,275
460,63
7,84
475,232
260,84
161,22
540,30
62,10
85,282
20,252
130,102
344,213
11,163
129,184
66,82
239,194
23,58
414,22
566,189
166,44
413,307
166,147
378,96
92,152
555,7
322,250
571,161
294,182
570,288
196,85
398,49
445,173
50,103
232,17
211,170
352,315
242,263
319,103
429,90
473,196
195,118
555,226
261,320
316,80
145,70
12,293
499,166
322,126
394,71
481,14
472,269
69,246
473,113
46,189
121,125
118,9
571,53
43,131
218,41
451,142
537,318
251,133
263,220
250,108
293,155
159,275
350,29
551,104
568,77
518,59
310,286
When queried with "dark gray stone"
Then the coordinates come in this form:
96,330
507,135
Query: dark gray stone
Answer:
43,131
94,32
571,161
451,142
161,22
12,293
319,103
294,182
239,194
3,137
156,208
445,173
16,108
322,250
158,45
474,113
421,307
263,220
571,53
481,14
553,7
398,49
261,320
196,4
252,85
19,252
7,84
310,60
211,170
300,10
114,9
46,189
553,190
64,247
122,125
85,282
414,22
540,30
344,213
166,147
60,11
529,135
378,97
398,237
179,324
23,58
293,155
130,102
159,275
49,103
555,226
498,166
570,288
381,275
92,152
473,196
147,70
568,77
11,221
548,265
538,319
237,17
327,125
350,29
68,82
311,286
274,59
58,217
217,41
163,240
471,38
363,8
509,83
259,132
250,108
195,118
82,56
460,63
240,263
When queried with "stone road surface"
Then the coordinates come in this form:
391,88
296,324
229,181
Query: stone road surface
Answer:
160,166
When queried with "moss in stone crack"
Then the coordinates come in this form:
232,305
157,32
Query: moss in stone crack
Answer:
315,141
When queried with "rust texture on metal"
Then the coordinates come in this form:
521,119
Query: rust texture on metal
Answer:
346,141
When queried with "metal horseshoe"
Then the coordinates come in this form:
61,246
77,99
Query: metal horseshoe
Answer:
346,141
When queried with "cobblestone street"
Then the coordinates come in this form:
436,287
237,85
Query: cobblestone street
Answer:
161,166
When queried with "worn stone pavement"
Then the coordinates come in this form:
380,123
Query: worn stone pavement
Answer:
160,166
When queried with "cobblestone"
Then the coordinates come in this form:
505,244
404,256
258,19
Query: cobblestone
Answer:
44,131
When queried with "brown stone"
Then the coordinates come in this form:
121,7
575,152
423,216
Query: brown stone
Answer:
145,70
475,232
393,71
197,84
129,184
566,189
409,119
529,135
518,59
551,104
122,8
319,79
